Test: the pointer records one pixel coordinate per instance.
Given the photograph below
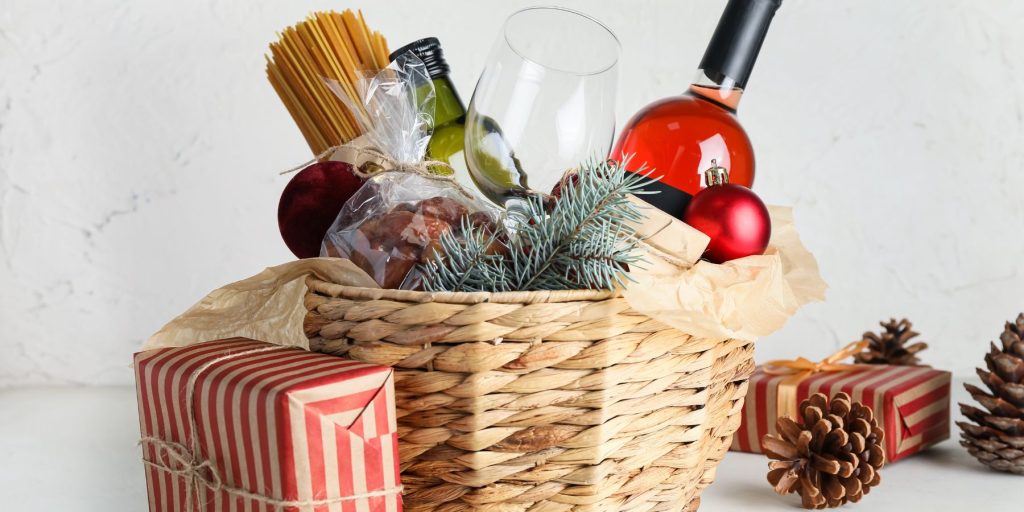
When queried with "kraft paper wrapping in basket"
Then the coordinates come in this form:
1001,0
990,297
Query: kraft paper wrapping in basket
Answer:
266,307
742,299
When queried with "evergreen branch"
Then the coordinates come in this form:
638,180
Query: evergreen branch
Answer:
587,211
585,241
465,262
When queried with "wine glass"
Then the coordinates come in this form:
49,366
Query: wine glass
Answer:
544,103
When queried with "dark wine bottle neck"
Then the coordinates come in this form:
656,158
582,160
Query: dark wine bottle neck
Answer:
429,51
736,42
448,107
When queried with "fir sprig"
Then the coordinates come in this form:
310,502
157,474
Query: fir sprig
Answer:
584,241
467,261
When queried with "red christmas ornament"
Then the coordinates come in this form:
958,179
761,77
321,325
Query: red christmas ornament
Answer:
732,215
310,203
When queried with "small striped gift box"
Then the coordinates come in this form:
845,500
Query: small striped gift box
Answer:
910,403
240,425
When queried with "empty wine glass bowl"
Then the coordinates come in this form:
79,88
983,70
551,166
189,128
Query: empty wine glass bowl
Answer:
544,103
562,40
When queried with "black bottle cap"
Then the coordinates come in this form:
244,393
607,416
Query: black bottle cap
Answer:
429,51
737,40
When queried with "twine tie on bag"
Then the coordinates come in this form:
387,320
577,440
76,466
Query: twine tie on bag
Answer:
802,368
186,461
384,162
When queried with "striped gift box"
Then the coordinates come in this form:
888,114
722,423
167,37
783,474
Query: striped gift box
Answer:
239,425
910,403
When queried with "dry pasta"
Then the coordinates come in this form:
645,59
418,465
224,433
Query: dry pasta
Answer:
324,45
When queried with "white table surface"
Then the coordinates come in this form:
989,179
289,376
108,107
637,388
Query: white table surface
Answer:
75,450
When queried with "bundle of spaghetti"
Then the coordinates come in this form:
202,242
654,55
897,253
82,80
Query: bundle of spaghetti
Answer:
332,45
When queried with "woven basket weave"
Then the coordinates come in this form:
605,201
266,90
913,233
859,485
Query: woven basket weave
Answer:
541,401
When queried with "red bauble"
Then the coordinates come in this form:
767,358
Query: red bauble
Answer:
311,202
735,219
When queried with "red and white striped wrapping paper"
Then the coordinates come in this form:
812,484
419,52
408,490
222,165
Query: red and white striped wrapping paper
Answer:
282,423
910,403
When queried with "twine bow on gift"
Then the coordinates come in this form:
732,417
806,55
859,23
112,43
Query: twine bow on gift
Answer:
176,459
801,368
185,461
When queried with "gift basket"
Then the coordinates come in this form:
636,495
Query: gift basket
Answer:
557,342
566,400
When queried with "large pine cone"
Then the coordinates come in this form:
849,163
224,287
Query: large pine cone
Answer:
998,438
833,458
890,346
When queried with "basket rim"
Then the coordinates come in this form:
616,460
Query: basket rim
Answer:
319,285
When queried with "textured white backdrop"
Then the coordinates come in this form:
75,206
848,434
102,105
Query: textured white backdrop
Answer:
139,144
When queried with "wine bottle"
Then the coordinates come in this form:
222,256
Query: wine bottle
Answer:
447,142
682,136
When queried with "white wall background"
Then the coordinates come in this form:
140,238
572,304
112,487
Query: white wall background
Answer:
140,144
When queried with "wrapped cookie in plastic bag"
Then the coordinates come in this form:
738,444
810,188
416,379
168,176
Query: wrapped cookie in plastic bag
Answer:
391,225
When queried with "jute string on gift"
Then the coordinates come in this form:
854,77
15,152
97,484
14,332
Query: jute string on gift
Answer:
186,462
801,368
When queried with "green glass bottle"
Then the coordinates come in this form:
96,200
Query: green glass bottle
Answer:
447,143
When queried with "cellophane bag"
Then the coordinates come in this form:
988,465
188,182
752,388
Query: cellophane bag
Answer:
392,224
396,111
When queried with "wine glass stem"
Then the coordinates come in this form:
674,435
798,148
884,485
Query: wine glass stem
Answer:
517,213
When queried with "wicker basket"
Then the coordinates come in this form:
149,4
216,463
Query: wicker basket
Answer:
541,401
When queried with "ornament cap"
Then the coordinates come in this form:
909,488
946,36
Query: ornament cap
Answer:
716,174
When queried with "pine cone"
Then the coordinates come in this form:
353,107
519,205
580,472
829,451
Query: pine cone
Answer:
998,438
833,458
890,346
